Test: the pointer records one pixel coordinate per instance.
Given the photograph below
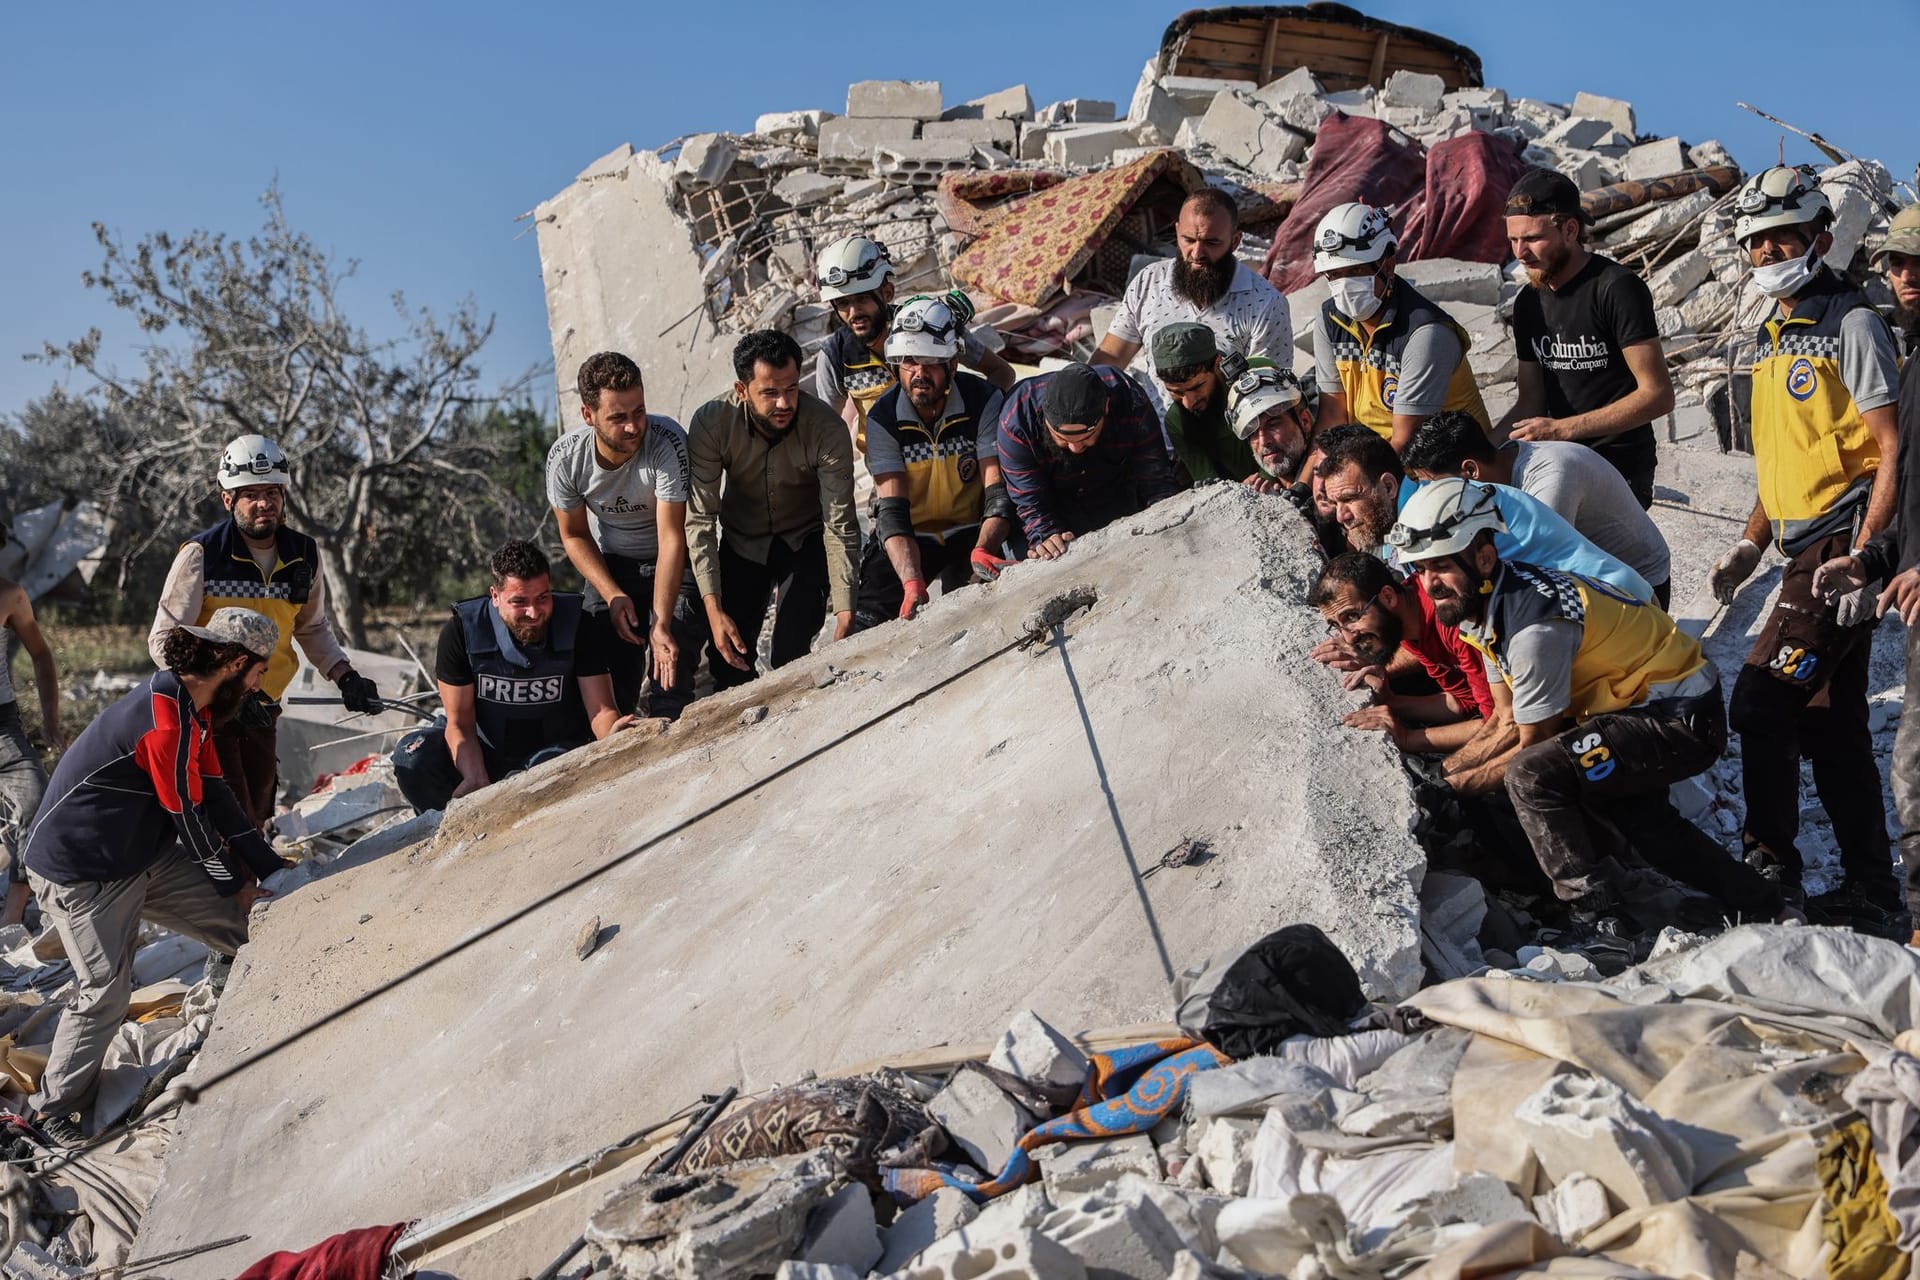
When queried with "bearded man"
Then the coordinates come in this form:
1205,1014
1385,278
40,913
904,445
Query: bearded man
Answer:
522,679
139,824
1591,365
1205,283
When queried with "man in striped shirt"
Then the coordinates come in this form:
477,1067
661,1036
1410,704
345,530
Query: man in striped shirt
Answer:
1080,448
138,824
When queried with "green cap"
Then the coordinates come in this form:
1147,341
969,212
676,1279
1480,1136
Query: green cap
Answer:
1183,345
1902,237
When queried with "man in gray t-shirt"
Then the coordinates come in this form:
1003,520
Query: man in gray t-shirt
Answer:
619,489
1581,486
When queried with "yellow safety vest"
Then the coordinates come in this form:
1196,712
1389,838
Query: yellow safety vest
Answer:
1368,360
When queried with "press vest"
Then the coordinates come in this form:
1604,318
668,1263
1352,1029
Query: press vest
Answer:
1629,652
233,578
866,377
1811,445
944,488
514,688
1369,362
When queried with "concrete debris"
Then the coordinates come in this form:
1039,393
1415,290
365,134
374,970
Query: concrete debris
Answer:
1033,1052
1414,89
1614,111
1075,1168
983,1121
1116,1241
1243,131
939,1215
741,1220
843,1232
895,99
1577,1205
1582,1123
1016,1255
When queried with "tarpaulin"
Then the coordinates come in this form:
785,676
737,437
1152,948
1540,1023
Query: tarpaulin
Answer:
351,1255
1460,211
1354,158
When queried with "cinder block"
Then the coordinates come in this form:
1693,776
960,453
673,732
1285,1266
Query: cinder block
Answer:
944,1211
1008,104
1672,283
843,1232
1225,1152
1656,159
1417,90
1033,1052
993,131
913,99
705,161
1157,117
805,186
848,138
1297,83
1445,280
1244,132
1078,1167
792,124
1615,111
1579,1123
1087,146
1584,133
1019,1255
1078,111
982,1121
1115,1241
1196,93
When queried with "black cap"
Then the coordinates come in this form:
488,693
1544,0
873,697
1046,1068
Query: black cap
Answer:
1543,193
1075,396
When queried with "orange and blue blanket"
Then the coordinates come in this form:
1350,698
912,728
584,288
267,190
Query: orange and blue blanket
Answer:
1127,1091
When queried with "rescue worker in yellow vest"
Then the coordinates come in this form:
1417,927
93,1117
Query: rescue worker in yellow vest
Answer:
1825,386
1613,704
1384,355
855,280
251,560
940,507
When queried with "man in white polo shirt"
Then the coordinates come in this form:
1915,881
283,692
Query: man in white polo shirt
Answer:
1205,283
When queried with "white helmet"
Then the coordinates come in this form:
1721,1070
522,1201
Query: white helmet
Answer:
1351,234
851,265
251,460
924,328
1782,196
1443,518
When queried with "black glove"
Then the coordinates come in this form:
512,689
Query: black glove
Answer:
359,693
256,711
1301,496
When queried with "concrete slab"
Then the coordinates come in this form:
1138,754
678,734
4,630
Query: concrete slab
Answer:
914,99
816,921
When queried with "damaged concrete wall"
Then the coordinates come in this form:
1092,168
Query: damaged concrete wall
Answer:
920,882
622,274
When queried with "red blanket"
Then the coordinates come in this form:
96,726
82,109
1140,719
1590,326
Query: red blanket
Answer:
351,1255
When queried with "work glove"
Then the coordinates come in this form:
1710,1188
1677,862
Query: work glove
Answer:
256,711
1854,607
915,596
1734,568
986,565
359,693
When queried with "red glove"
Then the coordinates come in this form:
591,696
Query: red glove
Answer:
986,565
916,595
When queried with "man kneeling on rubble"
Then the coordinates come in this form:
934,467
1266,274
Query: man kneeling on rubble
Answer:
1613,703
522,679
139,824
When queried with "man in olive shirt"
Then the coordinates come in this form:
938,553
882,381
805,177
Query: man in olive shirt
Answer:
1187,360
784,517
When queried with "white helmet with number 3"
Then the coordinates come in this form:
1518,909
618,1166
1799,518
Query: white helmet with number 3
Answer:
1783,196
251,460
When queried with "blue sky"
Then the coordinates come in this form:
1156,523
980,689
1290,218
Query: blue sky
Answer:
410,135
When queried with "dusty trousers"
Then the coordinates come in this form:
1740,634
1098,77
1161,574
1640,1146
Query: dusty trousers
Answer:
250,762
99,924
1593,802
22,783
1906,778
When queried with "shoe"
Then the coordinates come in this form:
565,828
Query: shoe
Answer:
61,1132
1849,908
1608,938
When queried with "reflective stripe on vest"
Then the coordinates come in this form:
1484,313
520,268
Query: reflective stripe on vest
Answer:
232,578
1368,362
540,690
1810,442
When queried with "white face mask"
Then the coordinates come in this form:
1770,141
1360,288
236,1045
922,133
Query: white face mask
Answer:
1354,296
1784,279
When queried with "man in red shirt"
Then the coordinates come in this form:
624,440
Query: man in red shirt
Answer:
1382,630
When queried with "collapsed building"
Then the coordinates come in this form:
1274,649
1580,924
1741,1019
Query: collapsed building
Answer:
714,998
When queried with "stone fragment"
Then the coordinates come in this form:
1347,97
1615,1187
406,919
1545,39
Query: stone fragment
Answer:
1576,1205
918,1226
1070,1167
1451,910
1477,1198
1418,90
803,187
1580,1123
843,1232
1017,1255
1156,117
1615,111
1710,154
1588,172
994,131
1656,159
1487,108
1033,140
1665,220
1225,1152
754,714
1244,132
791,124
1446,280
705,161
1355,102
1672,283
1291,102
854,139
1858,190
1584,133
1034,1053
982,1121
1116,1241
28,1261
912,99
1087,145
1008,104
815,1271
585,941
1078,111
1021,1209
1196,93
1297,83
737,1221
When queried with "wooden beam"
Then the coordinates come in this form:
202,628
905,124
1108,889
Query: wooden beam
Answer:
1266,56
1377,73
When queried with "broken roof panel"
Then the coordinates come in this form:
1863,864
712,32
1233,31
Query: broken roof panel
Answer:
1343,47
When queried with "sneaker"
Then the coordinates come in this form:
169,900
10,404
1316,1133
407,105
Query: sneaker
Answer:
1849,908
60,1132
1609,939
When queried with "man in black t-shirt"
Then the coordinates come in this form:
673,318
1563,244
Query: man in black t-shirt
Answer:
1591,365
521,680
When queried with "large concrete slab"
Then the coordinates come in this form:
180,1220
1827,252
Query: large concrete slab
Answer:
896,882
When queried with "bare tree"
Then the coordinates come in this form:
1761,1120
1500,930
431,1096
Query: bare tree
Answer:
248,336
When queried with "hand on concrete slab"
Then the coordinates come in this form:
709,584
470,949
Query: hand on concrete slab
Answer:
1052,548
666,656
1372,678
727,641
1902,596
1734,568
625,618
1260,482
1378,718
986,565
471,782
913,594
843,624
1539,429
1338,654
251,892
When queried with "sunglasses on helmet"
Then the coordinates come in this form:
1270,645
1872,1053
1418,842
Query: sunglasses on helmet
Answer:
1404,535
1332,238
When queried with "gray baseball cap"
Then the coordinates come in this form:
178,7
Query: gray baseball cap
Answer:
254,632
